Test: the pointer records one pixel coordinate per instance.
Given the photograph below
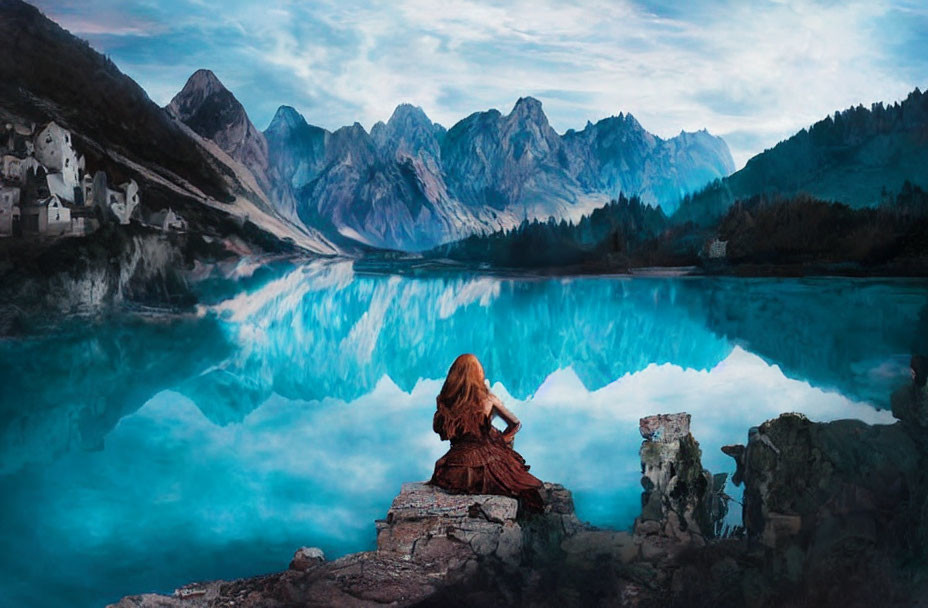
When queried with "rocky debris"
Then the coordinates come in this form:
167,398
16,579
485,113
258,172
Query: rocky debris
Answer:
307,558
682,503
800,475
359,580
597,545
737,453
443,530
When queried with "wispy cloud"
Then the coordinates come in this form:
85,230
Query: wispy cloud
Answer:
752,74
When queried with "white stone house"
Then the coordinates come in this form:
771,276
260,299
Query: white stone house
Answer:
59,216
718,249
168,221
123,202
9,209
59,185
87,189
13,169
49,216
53,149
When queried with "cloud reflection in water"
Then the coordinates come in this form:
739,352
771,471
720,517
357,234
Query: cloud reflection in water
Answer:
296,409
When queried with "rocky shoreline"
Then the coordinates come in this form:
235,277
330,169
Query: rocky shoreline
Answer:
833,515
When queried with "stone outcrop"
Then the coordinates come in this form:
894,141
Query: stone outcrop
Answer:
828,504
833,516
682,503
426,524
432,547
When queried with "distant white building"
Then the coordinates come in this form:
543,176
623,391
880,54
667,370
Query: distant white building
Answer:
168,221
59,186
13,169
123,202
48,216
45,189
87,189
53,149
59,216
718,249
9,209
82,221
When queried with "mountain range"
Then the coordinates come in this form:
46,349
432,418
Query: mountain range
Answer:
411,184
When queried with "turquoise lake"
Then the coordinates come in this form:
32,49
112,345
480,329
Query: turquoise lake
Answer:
138,453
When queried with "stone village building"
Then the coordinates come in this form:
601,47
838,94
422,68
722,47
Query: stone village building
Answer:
46,190
9,210
168,221
718,249
54,151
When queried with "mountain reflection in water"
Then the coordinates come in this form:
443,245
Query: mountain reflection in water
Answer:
155,453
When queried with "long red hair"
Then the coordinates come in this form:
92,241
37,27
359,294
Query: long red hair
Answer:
461,400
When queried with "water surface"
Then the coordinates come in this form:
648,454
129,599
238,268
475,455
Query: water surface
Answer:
140,454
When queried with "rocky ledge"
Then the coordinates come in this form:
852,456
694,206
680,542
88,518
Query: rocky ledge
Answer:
833,516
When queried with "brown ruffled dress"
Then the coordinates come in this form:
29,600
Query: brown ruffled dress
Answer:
485,464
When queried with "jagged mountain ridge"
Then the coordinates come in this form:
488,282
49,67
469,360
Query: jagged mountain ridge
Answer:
385,188
411,184
47,74
618,155
858,157
299,155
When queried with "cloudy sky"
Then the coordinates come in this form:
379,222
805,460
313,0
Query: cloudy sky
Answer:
752,74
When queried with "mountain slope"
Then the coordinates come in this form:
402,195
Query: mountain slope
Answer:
857,157
48,74
296,155
207,107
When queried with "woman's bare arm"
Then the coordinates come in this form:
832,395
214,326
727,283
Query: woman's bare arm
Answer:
512,422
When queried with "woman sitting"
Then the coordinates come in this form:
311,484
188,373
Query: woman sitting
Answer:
481,459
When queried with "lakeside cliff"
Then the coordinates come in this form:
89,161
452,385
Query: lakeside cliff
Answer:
832,516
